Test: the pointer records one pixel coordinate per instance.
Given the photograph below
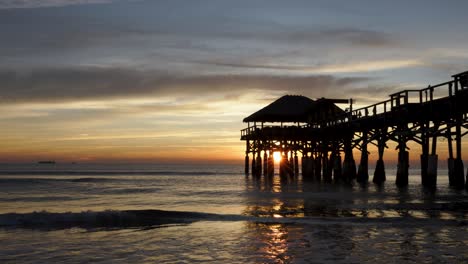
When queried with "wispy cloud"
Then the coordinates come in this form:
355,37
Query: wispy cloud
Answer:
91,83
7,4
349,67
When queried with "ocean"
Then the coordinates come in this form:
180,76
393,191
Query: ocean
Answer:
79,213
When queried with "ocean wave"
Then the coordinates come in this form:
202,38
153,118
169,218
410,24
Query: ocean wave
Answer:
103,219
158,218
29,180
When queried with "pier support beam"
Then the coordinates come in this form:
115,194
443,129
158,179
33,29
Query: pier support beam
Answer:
459,170
450,160
305,173
296,164
379,173
291,165
432,171
308,168
349,165
403,162
317,167
246,164
283,167
326,169
271,165
363,170
254,166
428,161
402,168
258,163
265,163
335,160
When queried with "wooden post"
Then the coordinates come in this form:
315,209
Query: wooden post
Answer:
271,165
335,162
451,160
425,155
258,162
403,159
433,160
459,170
303,167
310,168
247,150
379,173
296,164
265,163
403,164
291,165
363,171
318,167
254,166
246,164
282,166
349,165
326,170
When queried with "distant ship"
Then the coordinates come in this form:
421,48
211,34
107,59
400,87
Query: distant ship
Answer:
46,162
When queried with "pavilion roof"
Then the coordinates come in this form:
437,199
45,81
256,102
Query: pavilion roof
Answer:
289,108
295,108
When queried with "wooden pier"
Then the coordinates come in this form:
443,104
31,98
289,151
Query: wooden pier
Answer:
324,135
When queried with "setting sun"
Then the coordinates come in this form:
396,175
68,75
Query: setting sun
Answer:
277,156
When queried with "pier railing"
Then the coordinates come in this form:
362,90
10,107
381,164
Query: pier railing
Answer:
404,98
398,100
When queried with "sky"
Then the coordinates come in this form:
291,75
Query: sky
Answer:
165,81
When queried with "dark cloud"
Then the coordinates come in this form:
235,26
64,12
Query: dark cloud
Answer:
358,37
88,83
124,25
6,4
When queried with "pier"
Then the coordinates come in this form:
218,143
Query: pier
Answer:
323,136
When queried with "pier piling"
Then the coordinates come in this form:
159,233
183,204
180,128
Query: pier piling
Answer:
379,173
349,165
363,170
246,164
335,160
317,168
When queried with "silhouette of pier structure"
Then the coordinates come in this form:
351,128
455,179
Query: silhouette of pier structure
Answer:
324,135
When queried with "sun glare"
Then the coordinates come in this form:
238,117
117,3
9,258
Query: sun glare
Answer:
277,156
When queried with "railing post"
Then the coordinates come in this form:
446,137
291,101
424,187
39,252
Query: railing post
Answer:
432,93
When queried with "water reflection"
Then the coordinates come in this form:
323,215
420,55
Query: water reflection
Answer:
301,220
273,246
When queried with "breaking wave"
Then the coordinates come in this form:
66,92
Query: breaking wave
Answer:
155,218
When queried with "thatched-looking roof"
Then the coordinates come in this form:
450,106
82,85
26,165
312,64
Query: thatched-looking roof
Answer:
289,108
324,109
295,108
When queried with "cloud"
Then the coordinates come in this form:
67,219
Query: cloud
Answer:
353,67
92,83
7,4
335,35
156,24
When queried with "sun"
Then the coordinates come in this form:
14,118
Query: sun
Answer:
276,157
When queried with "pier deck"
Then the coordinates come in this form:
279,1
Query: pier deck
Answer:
320,132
